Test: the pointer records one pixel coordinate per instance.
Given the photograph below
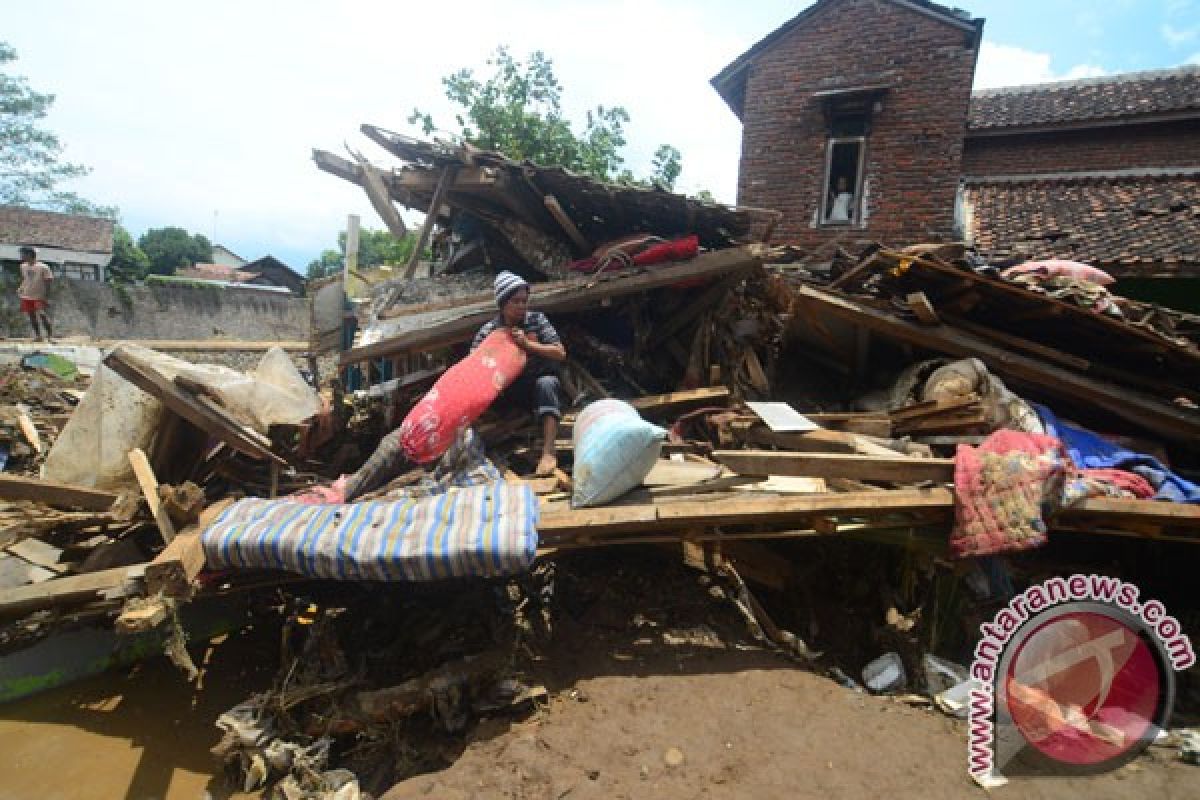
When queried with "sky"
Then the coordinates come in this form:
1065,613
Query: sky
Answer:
204,115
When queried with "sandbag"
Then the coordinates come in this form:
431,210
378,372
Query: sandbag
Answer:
458,398
614,450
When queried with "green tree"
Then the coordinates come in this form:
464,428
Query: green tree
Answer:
171,248
129,262
518,112
375,248
30,164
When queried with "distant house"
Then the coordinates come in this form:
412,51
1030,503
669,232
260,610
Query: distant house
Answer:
225,257
74,246
270,271
266,272
858,122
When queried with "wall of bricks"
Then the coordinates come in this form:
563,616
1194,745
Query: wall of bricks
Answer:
1129,146
915,146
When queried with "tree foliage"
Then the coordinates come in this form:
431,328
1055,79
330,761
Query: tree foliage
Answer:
170,248
517,111
129,262
31,168
375,248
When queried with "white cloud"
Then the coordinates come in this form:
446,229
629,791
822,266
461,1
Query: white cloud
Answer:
1195,59
1007,65
1176,37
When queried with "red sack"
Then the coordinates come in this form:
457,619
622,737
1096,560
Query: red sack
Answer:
676,250
458,398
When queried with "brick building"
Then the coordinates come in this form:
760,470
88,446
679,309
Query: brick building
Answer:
859,123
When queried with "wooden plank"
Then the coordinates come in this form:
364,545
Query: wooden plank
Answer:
1117,510
72,589
579,524
1021,344
31,432
55,495
435,208
919,304
577,294
203,416
1148,412
149,484
838,465
173,570
566,223
674,402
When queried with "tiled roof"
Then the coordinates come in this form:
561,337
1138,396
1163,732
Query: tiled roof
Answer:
730,82
1133,94
27,226
1128,224
214,272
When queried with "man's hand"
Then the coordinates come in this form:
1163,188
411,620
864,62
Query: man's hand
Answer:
523,341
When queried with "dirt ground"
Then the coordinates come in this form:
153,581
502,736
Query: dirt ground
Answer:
669,701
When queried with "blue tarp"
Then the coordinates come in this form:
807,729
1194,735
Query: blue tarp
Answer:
1091,451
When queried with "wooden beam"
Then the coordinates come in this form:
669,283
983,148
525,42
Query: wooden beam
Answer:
173,570
579,524
1115,510
442,328
919,304
55,495
674,402
381,200
435,208
1148,412
108,583
209,418
145,478
566,223
838,465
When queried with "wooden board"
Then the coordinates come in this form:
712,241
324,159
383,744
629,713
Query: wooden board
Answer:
579,524
578,294
203,415
173,570
1146,411
838,465
145,478
109,583
56,495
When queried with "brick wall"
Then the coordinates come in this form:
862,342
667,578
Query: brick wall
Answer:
914,149
1172,144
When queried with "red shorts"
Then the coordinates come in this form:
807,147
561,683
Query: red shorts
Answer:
29,306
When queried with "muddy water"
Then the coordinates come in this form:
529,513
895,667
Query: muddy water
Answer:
137,734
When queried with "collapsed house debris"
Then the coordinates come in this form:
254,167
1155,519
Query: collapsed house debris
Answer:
894,378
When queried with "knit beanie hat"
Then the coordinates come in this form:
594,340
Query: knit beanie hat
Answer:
507,284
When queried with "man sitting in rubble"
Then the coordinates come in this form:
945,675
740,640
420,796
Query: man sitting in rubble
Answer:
538,387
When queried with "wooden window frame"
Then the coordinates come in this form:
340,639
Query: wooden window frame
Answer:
859,182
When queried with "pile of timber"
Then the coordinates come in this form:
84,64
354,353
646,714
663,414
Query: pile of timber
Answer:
1093,365
533,218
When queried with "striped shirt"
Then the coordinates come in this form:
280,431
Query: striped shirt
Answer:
537,328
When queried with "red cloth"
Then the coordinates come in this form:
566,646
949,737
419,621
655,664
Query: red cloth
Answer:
29,306
458,398
1122,480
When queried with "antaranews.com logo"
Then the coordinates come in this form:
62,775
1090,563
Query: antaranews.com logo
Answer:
1074,676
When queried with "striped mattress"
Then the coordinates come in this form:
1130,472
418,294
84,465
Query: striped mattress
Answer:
480,531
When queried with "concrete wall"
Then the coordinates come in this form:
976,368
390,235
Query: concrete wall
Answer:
97,310
914,148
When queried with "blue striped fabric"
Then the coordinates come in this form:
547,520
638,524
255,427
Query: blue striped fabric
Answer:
480,531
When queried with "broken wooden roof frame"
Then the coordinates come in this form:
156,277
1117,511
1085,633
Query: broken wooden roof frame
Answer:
548,214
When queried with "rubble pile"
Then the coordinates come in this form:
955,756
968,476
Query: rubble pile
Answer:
824,488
